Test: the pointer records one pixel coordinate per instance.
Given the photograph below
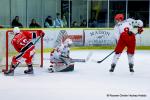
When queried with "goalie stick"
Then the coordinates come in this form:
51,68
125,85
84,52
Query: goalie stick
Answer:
83,60
78,60
71,60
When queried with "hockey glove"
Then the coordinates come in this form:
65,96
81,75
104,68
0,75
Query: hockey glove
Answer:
130,32
140,30
42,33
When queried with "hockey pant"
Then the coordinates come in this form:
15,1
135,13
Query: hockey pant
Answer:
26,56
128,41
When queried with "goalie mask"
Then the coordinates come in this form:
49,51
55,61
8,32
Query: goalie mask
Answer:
16,30
68,42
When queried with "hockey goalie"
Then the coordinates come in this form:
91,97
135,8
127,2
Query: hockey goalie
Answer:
60,58
23,44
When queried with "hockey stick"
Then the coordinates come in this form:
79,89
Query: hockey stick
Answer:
108,55
34,42
105,57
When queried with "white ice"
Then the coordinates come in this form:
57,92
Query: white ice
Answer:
89,81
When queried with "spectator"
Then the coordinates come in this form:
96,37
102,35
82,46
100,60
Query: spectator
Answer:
58,22
48,22
16,23
1,26
75,24
64,21
93,23
83,23
34,24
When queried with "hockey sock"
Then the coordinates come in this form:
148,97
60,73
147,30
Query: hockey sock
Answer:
130,58
115,58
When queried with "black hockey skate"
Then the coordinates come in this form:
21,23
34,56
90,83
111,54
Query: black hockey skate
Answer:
112,68
9,72
131,68
29,70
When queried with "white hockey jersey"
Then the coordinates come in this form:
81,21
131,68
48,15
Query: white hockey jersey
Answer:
60,51
130,23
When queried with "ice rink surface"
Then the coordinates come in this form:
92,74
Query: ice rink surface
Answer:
89,81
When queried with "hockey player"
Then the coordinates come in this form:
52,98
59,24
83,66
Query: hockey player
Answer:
60,59
125,38
22,42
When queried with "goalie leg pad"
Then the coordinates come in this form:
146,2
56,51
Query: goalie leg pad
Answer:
69,68
62,68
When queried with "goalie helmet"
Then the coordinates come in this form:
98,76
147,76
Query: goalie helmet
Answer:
119,17
68,42
16,30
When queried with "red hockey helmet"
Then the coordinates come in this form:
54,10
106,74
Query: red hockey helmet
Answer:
119,17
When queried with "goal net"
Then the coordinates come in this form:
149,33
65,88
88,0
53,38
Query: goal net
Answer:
7,51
